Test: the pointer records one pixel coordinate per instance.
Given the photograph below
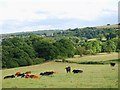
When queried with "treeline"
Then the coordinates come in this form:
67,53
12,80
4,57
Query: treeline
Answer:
89,32
33,50
96,46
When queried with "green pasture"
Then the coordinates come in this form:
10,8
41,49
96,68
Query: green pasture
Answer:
93,76
101,57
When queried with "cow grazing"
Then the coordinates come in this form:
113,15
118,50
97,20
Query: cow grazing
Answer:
17,73
77,71
27,76
47,73
21,75
28,72
68,69
11,76
34,76
112,64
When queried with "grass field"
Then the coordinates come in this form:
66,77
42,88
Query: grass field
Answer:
100,57
93,76
109,26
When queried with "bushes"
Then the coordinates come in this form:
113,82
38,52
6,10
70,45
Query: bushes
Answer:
16,52
91,62
12,63
38,60
65,47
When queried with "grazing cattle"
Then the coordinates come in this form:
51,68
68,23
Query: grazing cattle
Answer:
112,64
34,76
27,76
48,73
17,73
28,72
11,76
22,75
77,71
68,69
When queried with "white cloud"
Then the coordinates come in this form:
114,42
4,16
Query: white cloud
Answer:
80,9
29,15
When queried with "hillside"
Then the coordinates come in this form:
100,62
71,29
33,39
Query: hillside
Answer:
109,26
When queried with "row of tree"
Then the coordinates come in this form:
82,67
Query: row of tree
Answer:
33,50
97,46
90,32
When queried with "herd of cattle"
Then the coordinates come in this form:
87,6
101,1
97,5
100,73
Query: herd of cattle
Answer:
29,75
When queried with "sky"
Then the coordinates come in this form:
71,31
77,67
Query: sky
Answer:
33,15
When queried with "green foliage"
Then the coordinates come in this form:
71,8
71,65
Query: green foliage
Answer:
65,47
38,60
109,46
11,63
46,50
80,51
91,62
17,53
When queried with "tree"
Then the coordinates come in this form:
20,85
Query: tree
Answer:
46,50
16,52
80,51
65,47
100,37
109,46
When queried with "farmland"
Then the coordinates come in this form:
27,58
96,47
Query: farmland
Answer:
93,76
100,57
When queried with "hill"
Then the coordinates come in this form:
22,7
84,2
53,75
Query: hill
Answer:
109,26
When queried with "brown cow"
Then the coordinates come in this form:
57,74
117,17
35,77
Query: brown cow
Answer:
28,72
27,76
17,73
34,76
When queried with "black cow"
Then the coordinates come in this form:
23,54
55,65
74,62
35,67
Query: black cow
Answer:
22,75
68,69
112,64
47,73
77,71
11,76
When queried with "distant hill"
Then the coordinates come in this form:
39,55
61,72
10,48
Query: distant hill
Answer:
109,26
86,32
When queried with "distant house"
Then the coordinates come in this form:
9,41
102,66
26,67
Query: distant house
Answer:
49,34
108,24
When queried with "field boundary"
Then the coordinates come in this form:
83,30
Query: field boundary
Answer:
90,62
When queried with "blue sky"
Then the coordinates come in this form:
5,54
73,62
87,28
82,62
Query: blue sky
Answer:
32,15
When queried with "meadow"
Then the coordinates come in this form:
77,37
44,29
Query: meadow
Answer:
101,57
93,76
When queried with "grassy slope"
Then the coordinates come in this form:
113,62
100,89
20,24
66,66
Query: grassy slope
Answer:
99,57
94,76
110,26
